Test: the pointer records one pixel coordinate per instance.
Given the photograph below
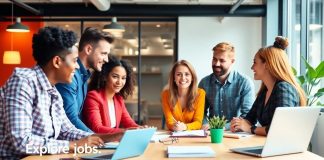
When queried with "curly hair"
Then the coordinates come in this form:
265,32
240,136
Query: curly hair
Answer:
99,79
50,42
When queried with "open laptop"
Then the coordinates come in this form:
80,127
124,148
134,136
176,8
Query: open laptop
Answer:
290,132
133,143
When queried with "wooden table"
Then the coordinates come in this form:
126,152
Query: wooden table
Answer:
157,151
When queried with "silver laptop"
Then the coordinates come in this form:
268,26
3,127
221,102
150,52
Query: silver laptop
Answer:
290,132
133,143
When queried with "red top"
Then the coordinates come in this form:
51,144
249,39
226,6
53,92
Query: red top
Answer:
96,114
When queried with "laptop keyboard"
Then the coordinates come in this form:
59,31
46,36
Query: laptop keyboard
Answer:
108,156
256,151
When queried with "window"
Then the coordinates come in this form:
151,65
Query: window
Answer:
315,32
305,31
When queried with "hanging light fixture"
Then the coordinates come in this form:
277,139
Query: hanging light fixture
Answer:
18,26
11,57
114,28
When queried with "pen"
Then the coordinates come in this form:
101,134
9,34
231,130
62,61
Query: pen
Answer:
175,120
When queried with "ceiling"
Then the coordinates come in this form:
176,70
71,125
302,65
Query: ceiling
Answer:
134,8
155,2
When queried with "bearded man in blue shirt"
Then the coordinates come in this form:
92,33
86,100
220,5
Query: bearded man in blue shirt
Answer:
94,47
228,92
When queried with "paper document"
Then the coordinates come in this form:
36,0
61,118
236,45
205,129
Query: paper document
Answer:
155,138
236,135
190,133
190,151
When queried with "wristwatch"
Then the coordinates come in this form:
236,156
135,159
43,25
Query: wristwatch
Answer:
253,129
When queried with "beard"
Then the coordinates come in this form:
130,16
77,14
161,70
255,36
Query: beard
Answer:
219,71
93,65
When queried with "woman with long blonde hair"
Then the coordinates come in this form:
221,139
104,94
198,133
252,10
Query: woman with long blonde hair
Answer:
278,89
183,103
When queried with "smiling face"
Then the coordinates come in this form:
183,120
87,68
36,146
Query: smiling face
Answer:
67,66
116,79
182,77
221,63
259,68
99,55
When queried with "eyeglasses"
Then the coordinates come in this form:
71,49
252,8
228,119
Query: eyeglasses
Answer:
168,141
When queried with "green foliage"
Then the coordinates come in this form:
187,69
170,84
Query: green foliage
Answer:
310,80
216,122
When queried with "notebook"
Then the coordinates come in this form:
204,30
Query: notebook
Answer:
133,143
290,132
190,151
237,135
189,133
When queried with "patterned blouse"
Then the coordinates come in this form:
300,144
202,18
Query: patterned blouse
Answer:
283,95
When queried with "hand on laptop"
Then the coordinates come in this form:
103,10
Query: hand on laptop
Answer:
89,141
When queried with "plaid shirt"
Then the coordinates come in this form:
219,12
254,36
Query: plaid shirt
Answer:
231,99
31,112
283,95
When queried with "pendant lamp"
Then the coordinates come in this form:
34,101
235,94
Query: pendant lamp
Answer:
11,57
18,26
114,28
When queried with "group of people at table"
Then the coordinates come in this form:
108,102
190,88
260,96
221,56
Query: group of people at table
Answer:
75,94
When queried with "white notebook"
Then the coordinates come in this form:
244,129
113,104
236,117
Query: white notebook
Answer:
190,151
190,133
237,135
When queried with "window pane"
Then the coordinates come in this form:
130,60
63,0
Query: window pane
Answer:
294,34
315,32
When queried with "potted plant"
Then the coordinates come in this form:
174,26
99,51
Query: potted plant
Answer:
310,82
216,125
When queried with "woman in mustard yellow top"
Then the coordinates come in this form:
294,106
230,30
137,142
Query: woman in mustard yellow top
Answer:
183,103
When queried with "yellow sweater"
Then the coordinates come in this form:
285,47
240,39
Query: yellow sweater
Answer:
193,119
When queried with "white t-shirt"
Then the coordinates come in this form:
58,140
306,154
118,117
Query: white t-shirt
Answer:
112,114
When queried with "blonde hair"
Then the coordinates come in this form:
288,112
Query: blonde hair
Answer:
173,89
225,47
276,61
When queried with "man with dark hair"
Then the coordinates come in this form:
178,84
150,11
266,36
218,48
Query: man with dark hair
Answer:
94,47
32,118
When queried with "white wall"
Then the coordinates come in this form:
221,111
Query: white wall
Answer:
198,35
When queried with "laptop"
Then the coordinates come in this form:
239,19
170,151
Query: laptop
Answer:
133,143
290,132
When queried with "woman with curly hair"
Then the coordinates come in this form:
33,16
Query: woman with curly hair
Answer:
104,109
278,89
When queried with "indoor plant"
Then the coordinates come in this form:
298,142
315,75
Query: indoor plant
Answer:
310,82
216,125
